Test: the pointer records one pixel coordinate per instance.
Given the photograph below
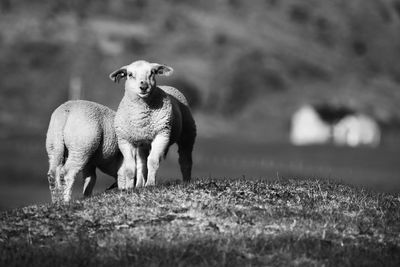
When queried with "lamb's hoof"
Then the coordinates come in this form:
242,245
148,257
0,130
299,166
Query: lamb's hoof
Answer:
130,185
128,181
139,184
150,184
56,197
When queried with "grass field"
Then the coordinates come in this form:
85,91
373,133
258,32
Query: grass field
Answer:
210,222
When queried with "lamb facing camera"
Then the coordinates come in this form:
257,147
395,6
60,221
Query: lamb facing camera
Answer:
148,121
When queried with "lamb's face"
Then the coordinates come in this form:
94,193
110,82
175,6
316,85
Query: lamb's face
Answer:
140,76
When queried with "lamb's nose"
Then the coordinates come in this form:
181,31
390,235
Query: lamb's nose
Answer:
143,85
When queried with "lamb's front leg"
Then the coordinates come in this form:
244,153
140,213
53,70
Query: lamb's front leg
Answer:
141,165
127,172
158,147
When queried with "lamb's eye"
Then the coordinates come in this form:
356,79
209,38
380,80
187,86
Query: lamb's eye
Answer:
131,75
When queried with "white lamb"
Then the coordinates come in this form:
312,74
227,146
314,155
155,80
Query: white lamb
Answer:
148,121
80,138
356,130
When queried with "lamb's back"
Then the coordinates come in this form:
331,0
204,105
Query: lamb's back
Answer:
175,93
89,129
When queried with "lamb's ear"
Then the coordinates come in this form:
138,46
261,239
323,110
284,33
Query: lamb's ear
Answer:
119,74
160,69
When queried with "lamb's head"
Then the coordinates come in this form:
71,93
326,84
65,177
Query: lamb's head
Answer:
140,76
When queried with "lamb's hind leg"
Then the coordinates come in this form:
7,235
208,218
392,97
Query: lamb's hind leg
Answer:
185,161
73,166
52,177
53,186
89,180
185,149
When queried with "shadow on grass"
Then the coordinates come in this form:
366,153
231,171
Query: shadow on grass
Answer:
222,250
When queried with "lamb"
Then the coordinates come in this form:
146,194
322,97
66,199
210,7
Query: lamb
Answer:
148,121
80,138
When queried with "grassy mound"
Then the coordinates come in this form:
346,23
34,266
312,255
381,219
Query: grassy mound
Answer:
210,222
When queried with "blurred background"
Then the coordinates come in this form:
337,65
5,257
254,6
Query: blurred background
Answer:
279,88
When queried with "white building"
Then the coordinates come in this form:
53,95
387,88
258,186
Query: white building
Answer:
307,128
355,130
322,125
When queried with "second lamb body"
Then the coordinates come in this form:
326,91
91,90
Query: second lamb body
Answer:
149,120
80,138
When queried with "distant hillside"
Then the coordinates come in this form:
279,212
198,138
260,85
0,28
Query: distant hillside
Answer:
254,62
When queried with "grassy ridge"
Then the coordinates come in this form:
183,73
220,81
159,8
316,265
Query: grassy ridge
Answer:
222,222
